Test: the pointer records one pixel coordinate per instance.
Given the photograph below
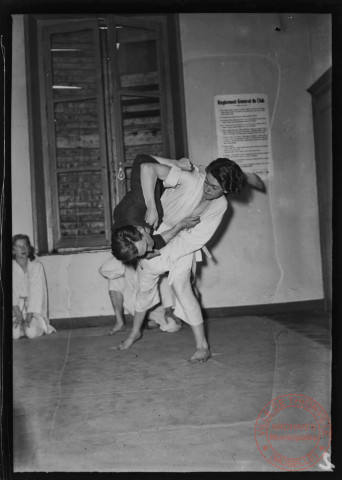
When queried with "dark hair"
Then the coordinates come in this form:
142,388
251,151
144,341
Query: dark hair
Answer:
123,247
21,236
228,174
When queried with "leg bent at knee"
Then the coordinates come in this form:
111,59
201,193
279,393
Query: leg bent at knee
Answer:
34,332
17,332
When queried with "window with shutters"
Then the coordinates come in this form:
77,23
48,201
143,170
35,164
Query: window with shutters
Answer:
100,92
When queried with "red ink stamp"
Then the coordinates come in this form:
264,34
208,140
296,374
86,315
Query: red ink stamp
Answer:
293,432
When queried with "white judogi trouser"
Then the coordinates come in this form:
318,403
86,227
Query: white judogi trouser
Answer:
187,307
181,198
124,279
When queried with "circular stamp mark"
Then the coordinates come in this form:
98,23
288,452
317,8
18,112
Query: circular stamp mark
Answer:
293,432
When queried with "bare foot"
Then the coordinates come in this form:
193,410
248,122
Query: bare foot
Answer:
171,325
121,327
152,325
129,341
177,320
201,355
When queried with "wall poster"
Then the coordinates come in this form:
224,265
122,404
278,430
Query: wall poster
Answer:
243,132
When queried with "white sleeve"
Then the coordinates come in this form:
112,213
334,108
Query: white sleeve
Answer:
189,241
170,162
165,161
37,288
112,268
174,177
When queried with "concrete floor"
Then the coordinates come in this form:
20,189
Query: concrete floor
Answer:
82,405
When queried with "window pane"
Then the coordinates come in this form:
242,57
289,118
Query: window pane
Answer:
80,203
78,157
137,53
73,66
142,128
76,125
79,174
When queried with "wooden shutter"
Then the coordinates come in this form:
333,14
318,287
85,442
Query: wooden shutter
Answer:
78,164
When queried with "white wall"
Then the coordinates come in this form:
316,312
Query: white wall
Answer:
76,289
22,220
269,252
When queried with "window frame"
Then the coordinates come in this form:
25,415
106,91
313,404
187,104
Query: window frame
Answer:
173,109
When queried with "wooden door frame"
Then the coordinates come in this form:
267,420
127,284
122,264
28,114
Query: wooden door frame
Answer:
324,188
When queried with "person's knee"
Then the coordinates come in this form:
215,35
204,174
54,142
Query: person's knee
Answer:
16,333
187,299
115,295
34,330
30,332
181,284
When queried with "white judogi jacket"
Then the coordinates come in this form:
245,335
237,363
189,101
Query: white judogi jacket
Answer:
29,292
182,195
30,285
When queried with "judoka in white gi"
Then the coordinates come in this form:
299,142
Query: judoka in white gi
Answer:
122,277
123,287
193,193
30,305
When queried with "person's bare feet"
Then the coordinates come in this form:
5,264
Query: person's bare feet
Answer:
201,355
152,325
118,327
169,313
132,338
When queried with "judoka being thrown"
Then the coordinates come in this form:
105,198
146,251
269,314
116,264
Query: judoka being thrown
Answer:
187,193
130,231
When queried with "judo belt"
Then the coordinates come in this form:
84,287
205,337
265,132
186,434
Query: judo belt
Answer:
193,267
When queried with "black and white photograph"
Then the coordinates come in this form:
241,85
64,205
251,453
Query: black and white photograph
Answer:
171,226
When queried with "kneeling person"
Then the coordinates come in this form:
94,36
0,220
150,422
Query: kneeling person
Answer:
30,315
